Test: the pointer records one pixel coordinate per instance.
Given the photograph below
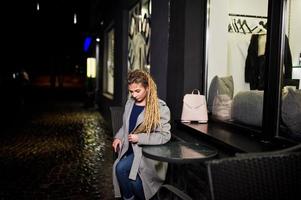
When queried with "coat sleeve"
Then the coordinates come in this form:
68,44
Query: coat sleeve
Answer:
120,134
161,134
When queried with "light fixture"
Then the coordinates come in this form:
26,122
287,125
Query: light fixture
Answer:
38,6
91,67
74,18
87,43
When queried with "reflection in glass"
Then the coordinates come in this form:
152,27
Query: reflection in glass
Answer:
236,59
109,64
139,36
190,153
291,93
175,151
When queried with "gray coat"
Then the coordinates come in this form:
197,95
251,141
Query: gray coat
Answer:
151,172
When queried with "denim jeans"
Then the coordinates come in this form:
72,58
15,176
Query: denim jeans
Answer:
128,187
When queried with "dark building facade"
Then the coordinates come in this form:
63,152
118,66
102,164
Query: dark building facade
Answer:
244,56
190,42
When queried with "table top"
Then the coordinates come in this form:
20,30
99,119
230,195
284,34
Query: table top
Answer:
179,152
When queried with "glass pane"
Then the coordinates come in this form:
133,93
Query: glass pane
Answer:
110,64
139,36
236,60
108,79
291,94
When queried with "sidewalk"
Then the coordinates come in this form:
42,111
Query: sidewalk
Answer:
62,152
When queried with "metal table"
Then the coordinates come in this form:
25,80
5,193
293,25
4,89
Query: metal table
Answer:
179,152
176,152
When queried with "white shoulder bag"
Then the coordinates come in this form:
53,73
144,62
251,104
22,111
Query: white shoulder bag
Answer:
194,108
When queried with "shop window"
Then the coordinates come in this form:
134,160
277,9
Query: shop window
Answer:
290,122
139,36
108,73
236,41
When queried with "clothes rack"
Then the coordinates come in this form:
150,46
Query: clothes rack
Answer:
251,16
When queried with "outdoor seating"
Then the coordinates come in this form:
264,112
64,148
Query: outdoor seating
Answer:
267,175
116,119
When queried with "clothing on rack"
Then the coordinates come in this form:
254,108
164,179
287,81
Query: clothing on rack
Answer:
255,63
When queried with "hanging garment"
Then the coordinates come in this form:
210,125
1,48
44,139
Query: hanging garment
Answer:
255,64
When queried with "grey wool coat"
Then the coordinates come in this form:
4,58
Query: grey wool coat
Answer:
151,172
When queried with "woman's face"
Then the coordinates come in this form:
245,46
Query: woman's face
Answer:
138,92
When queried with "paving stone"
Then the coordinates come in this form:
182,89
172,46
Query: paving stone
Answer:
62,152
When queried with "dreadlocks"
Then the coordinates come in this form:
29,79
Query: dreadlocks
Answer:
152,114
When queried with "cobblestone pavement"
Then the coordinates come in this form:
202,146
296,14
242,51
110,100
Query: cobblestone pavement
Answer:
63,152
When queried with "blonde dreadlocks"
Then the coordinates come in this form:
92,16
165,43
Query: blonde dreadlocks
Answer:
152,114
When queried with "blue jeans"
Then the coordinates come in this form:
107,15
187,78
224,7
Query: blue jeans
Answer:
128,187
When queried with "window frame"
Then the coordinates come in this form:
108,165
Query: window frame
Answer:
106,93
274,57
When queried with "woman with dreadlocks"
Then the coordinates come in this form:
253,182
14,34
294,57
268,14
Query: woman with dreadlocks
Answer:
145,122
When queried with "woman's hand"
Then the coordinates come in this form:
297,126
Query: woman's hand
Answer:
133,138
116,144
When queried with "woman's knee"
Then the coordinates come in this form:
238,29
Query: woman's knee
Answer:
120,168
123,166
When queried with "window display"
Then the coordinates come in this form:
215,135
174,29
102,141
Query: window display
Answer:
236,49
139,36
108,75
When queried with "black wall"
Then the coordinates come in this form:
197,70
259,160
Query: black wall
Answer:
177,50
118,21
159,44
186,51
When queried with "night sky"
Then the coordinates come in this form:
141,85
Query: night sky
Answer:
40,40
